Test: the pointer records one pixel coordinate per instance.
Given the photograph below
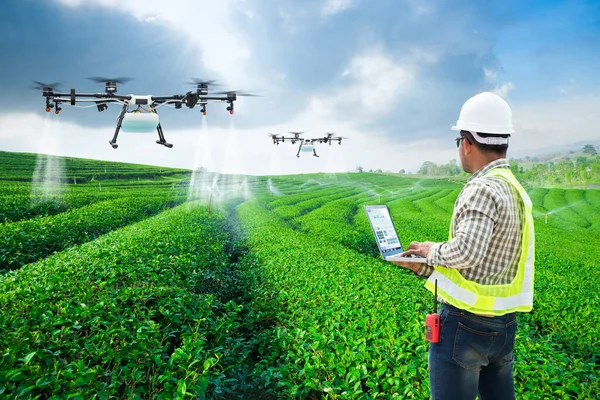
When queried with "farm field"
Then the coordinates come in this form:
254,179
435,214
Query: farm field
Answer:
128,281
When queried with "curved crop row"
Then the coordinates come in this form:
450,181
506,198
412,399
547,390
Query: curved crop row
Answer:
289,212
579,204
566,299
350,326
28,241
558,206
292,199
18,207
124,316
334,335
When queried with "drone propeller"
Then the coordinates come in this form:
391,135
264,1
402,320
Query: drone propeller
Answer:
331,136
198,81
101,79
110,84
297,133
45,86
239,93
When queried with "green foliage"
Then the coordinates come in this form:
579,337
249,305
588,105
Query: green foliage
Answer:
28,241
21,167
123,316
589,149
430,168
564,171
290,301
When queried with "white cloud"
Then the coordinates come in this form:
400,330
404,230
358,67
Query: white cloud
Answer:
225,50
489,74
568,88
364,92
503,89
553,123
376,79
335,6
373,82
421,8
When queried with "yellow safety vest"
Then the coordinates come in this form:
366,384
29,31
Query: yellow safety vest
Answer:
453,288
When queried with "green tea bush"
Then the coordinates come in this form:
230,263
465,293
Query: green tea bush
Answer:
28,241
124,316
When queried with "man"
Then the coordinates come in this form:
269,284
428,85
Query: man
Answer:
484,272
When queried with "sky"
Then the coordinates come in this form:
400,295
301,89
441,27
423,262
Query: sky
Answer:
388,75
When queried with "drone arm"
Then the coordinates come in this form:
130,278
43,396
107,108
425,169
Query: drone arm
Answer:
216,98
113,142
86,100
166,99
72,94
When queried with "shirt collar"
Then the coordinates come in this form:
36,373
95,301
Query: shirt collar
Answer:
499,163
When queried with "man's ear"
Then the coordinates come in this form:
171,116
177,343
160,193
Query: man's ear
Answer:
467,146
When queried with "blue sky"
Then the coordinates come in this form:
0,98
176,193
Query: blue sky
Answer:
391,75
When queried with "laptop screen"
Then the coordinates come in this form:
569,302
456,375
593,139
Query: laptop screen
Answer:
383,228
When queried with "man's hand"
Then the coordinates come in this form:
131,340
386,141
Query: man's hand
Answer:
416,248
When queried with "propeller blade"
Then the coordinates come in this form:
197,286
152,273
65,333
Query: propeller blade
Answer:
42,85
239,93
198,81
101,79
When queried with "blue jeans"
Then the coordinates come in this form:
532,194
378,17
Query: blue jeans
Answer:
474,356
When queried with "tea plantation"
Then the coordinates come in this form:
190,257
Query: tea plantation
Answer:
121,285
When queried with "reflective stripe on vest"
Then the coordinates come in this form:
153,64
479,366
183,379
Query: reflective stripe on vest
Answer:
493,299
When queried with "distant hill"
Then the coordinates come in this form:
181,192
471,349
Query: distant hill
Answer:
22,166
553,153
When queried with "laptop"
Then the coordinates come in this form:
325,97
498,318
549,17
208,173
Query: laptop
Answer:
386,236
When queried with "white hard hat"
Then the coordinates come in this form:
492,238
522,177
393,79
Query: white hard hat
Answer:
485,113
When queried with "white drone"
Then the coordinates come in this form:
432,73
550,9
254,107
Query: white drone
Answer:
138,113
307,145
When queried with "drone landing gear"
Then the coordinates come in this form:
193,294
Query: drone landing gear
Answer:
113,142
161,137
315,153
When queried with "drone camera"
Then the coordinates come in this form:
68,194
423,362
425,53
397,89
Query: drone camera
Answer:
101,107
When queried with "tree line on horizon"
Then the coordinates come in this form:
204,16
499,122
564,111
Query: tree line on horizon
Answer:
573,169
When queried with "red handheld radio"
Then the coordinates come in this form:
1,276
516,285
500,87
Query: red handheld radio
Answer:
432,322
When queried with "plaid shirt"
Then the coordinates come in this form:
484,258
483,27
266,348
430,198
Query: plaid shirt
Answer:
486,231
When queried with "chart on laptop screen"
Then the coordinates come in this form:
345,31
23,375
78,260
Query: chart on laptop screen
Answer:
383,228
